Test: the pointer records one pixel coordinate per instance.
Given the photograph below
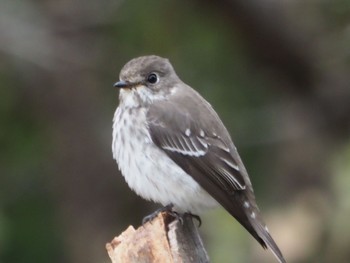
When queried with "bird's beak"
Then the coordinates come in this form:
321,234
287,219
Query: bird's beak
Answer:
122,84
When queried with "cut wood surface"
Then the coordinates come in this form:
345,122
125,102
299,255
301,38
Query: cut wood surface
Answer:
165,239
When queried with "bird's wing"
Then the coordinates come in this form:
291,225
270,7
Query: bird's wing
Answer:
195,147
199,143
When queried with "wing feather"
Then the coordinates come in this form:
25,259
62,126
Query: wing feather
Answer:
210,157
203,145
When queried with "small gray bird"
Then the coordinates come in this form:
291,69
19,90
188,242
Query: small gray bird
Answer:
172,148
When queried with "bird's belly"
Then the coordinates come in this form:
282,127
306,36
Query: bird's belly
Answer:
151,173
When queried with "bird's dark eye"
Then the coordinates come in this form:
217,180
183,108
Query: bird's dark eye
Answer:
152,78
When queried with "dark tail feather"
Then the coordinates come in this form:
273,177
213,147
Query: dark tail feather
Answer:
252,220
246,212
266,240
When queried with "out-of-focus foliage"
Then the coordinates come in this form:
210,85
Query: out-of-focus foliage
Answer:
276,72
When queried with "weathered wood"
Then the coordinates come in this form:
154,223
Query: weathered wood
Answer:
164,239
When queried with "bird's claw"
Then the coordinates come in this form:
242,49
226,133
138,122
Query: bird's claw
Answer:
169,211
197,217
167,208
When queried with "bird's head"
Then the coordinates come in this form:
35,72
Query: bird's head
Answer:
144,80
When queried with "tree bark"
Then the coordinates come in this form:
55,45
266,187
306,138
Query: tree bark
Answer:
165,239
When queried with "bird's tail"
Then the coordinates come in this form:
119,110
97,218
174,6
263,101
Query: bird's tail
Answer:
251,219
242,205
265,239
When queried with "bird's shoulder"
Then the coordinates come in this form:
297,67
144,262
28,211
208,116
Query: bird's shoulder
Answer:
188,129
187,110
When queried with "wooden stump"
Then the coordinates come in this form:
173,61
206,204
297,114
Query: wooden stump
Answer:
163,240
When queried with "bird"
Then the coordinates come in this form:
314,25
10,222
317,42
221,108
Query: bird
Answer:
172,148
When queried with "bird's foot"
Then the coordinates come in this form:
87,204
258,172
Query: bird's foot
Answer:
197,217
168,209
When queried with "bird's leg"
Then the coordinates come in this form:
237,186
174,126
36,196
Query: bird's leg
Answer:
197,217
168,208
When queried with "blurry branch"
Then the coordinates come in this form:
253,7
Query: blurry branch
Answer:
262,23
290,53
161,240
42,35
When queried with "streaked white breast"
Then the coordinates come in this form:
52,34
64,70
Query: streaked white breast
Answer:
148,170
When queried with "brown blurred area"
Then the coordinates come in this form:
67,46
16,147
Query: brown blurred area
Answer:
276,72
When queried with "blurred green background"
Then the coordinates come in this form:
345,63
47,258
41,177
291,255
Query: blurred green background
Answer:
277,72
